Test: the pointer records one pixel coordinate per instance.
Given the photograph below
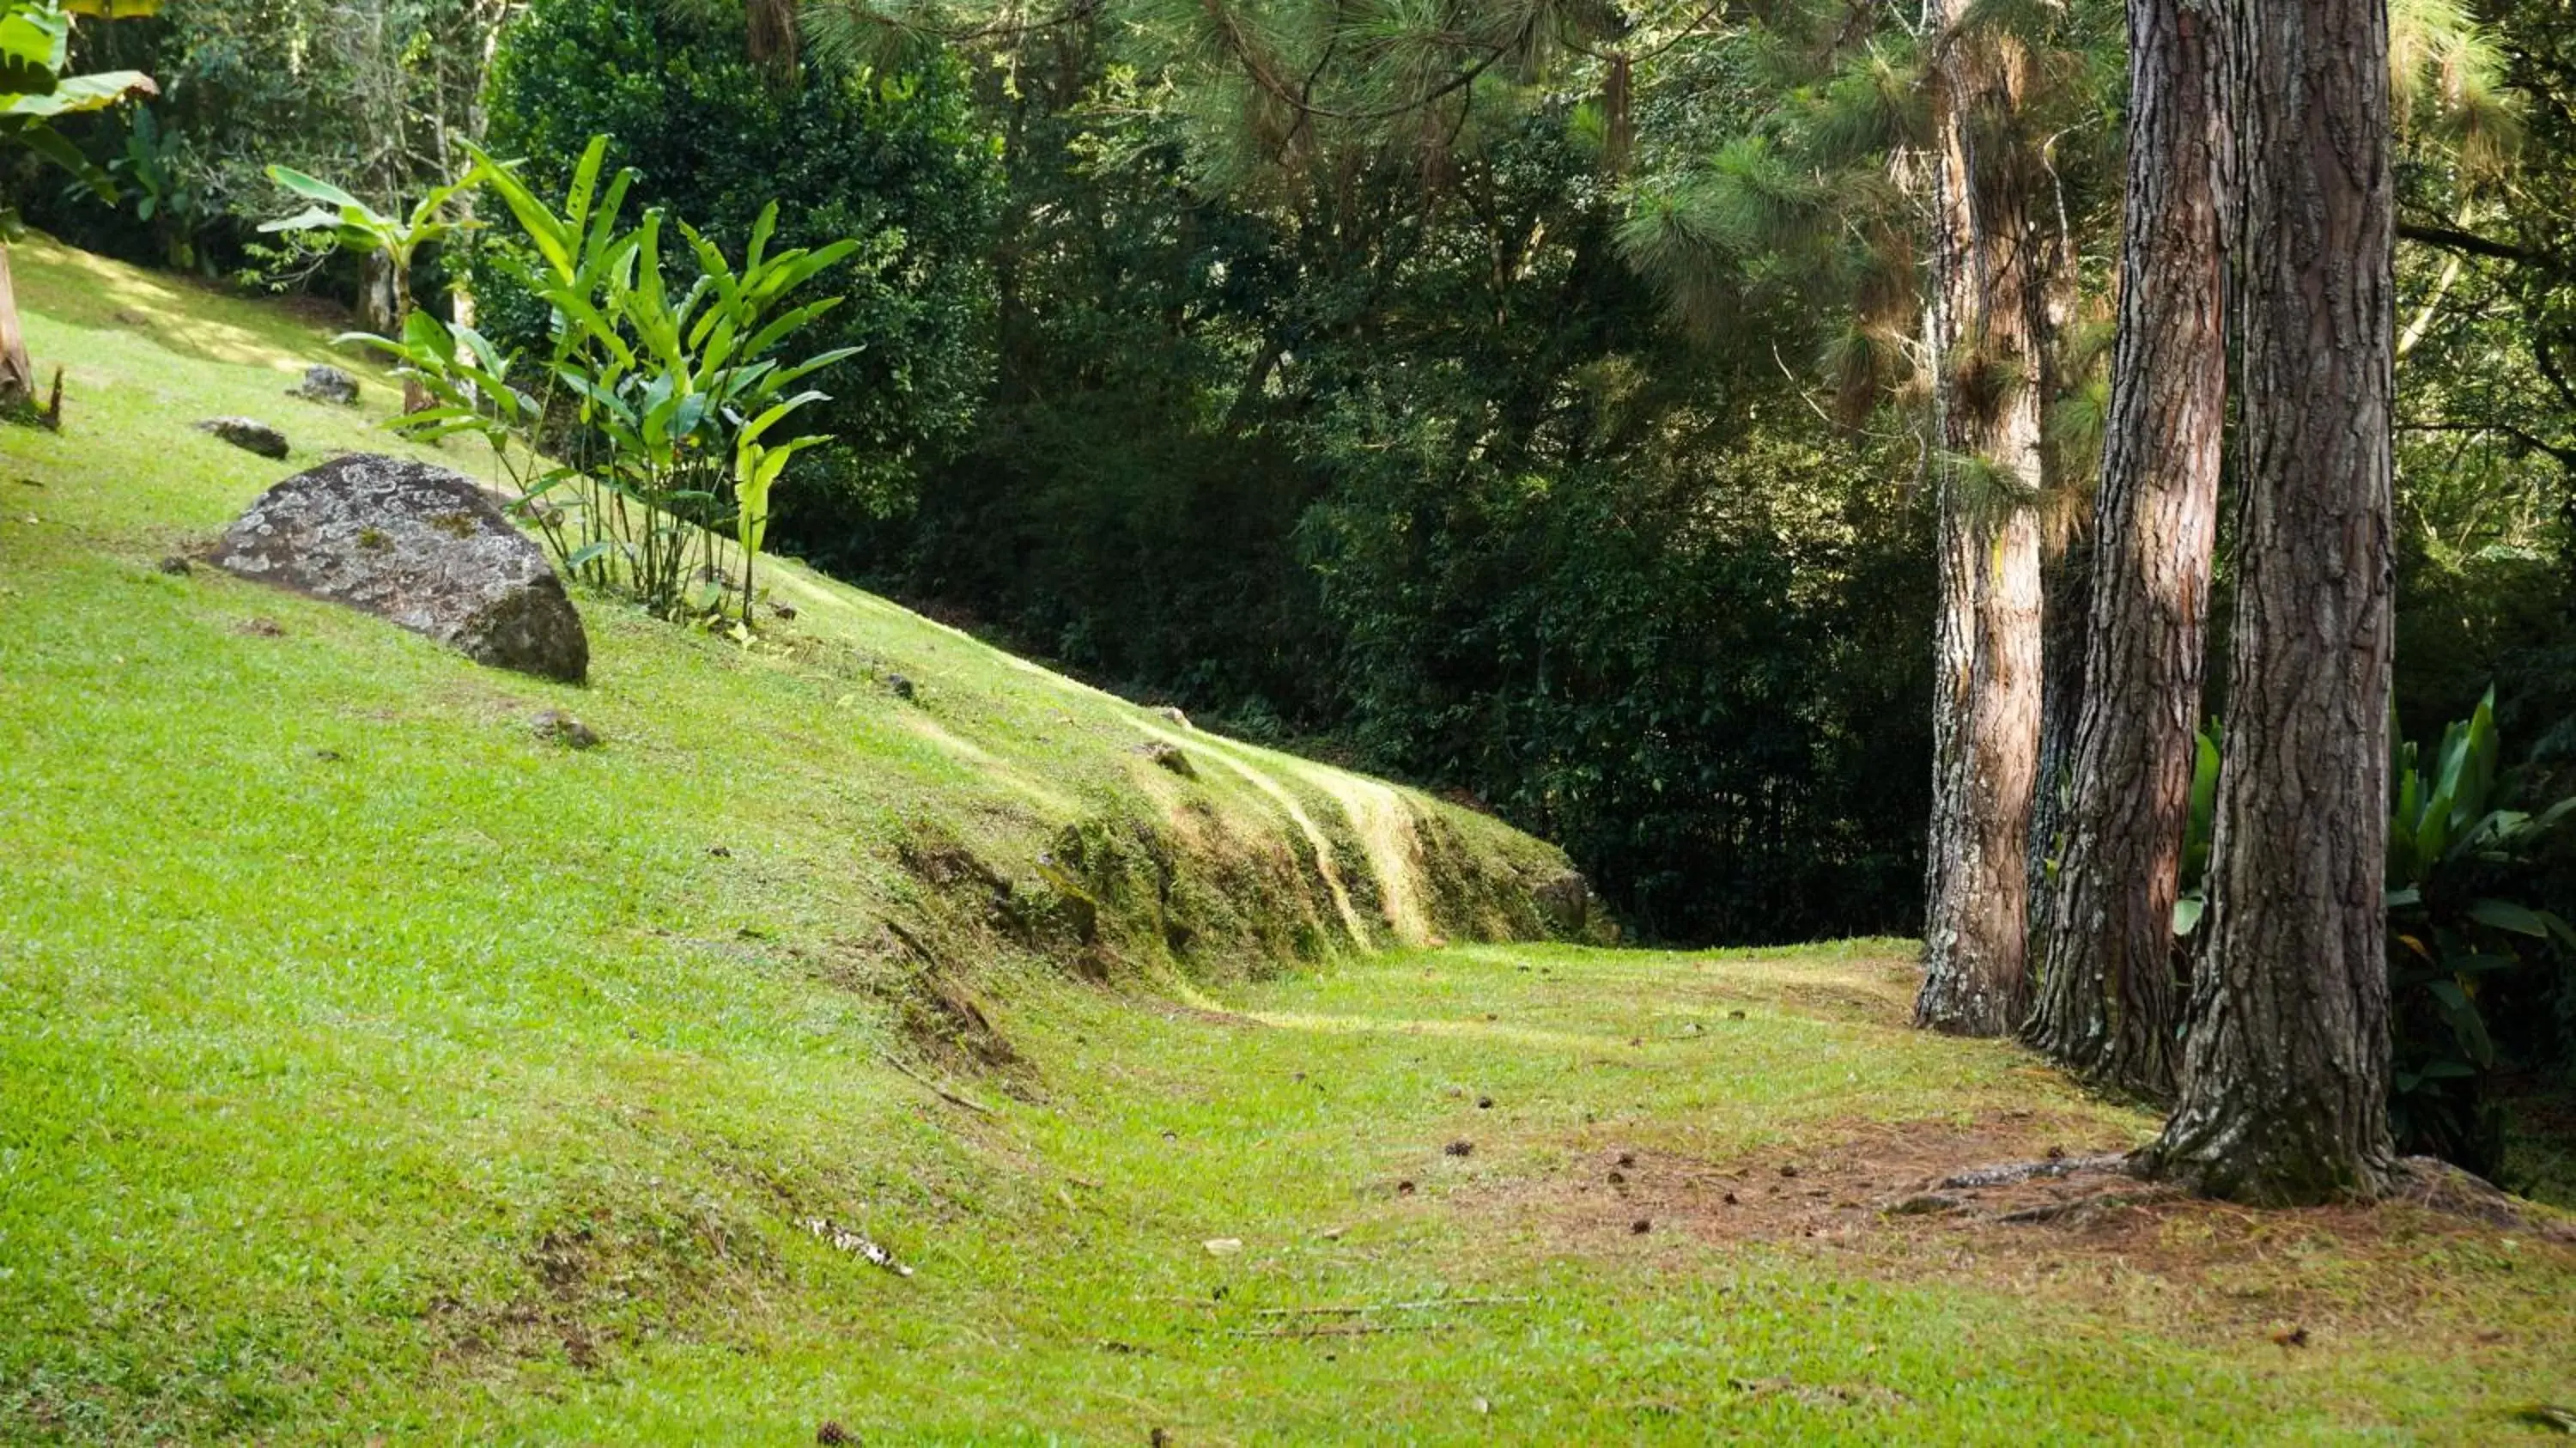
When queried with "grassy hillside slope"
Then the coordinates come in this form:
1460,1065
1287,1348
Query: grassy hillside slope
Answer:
372,1070
296,892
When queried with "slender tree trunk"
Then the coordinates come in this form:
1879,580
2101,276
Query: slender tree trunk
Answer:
2285,1080
2067,588
1986,337
2107,1005
17,369
378,303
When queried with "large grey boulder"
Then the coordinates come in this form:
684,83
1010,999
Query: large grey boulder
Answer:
417,544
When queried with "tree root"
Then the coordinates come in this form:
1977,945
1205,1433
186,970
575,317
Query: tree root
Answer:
2437,1186
2085,1208
2058,1166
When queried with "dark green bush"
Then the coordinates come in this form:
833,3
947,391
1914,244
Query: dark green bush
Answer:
897,161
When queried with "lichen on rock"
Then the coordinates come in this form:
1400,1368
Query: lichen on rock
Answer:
420,545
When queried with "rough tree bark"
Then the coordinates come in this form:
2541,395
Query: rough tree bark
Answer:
2066,590
1985,334
17,370
2285,1082
2107,1006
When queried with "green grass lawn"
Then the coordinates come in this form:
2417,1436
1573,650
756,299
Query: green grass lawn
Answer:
371,1070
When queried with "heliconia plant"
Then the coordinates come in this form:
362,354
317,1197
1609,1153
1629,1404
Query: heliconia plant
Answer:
673,396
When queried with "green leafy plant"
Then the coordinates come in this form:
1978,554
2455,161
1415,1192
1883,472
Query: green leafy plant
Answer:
152,181
35,45
2456,846
669,397
2198,828
356,226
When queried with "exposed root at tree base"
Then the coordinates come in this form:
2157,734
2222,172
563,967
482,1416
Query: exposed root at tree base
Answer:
2049,1167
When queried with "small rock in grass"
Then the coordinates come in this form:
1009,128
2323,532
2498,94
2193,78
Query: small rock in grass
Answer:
1169,757
247,433
176,566
326,383
561,728
1484,1103
1172,712
1223,1246
1461,1147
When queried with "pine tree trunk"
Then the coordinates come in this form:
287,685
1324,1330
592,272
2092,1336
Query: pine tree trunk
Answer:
2107,1004
17,369
1986,330
2066,585
2285,1081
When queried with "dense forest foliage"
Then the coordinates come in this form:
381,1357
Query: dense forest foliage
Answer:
1604,415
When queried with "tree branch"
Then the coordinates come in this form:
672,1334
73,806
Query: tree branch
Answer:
2470,243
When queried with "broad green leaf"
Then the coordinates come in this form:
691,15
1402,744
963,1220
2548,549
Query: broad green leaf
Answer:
51,144
2187,912
815,363
781,326
315,189
752,431
585,181
33,41
548,232
2506,915
79,93
312,218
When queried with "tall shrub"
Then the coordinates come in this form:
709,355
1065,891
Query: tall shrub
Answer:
893,161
